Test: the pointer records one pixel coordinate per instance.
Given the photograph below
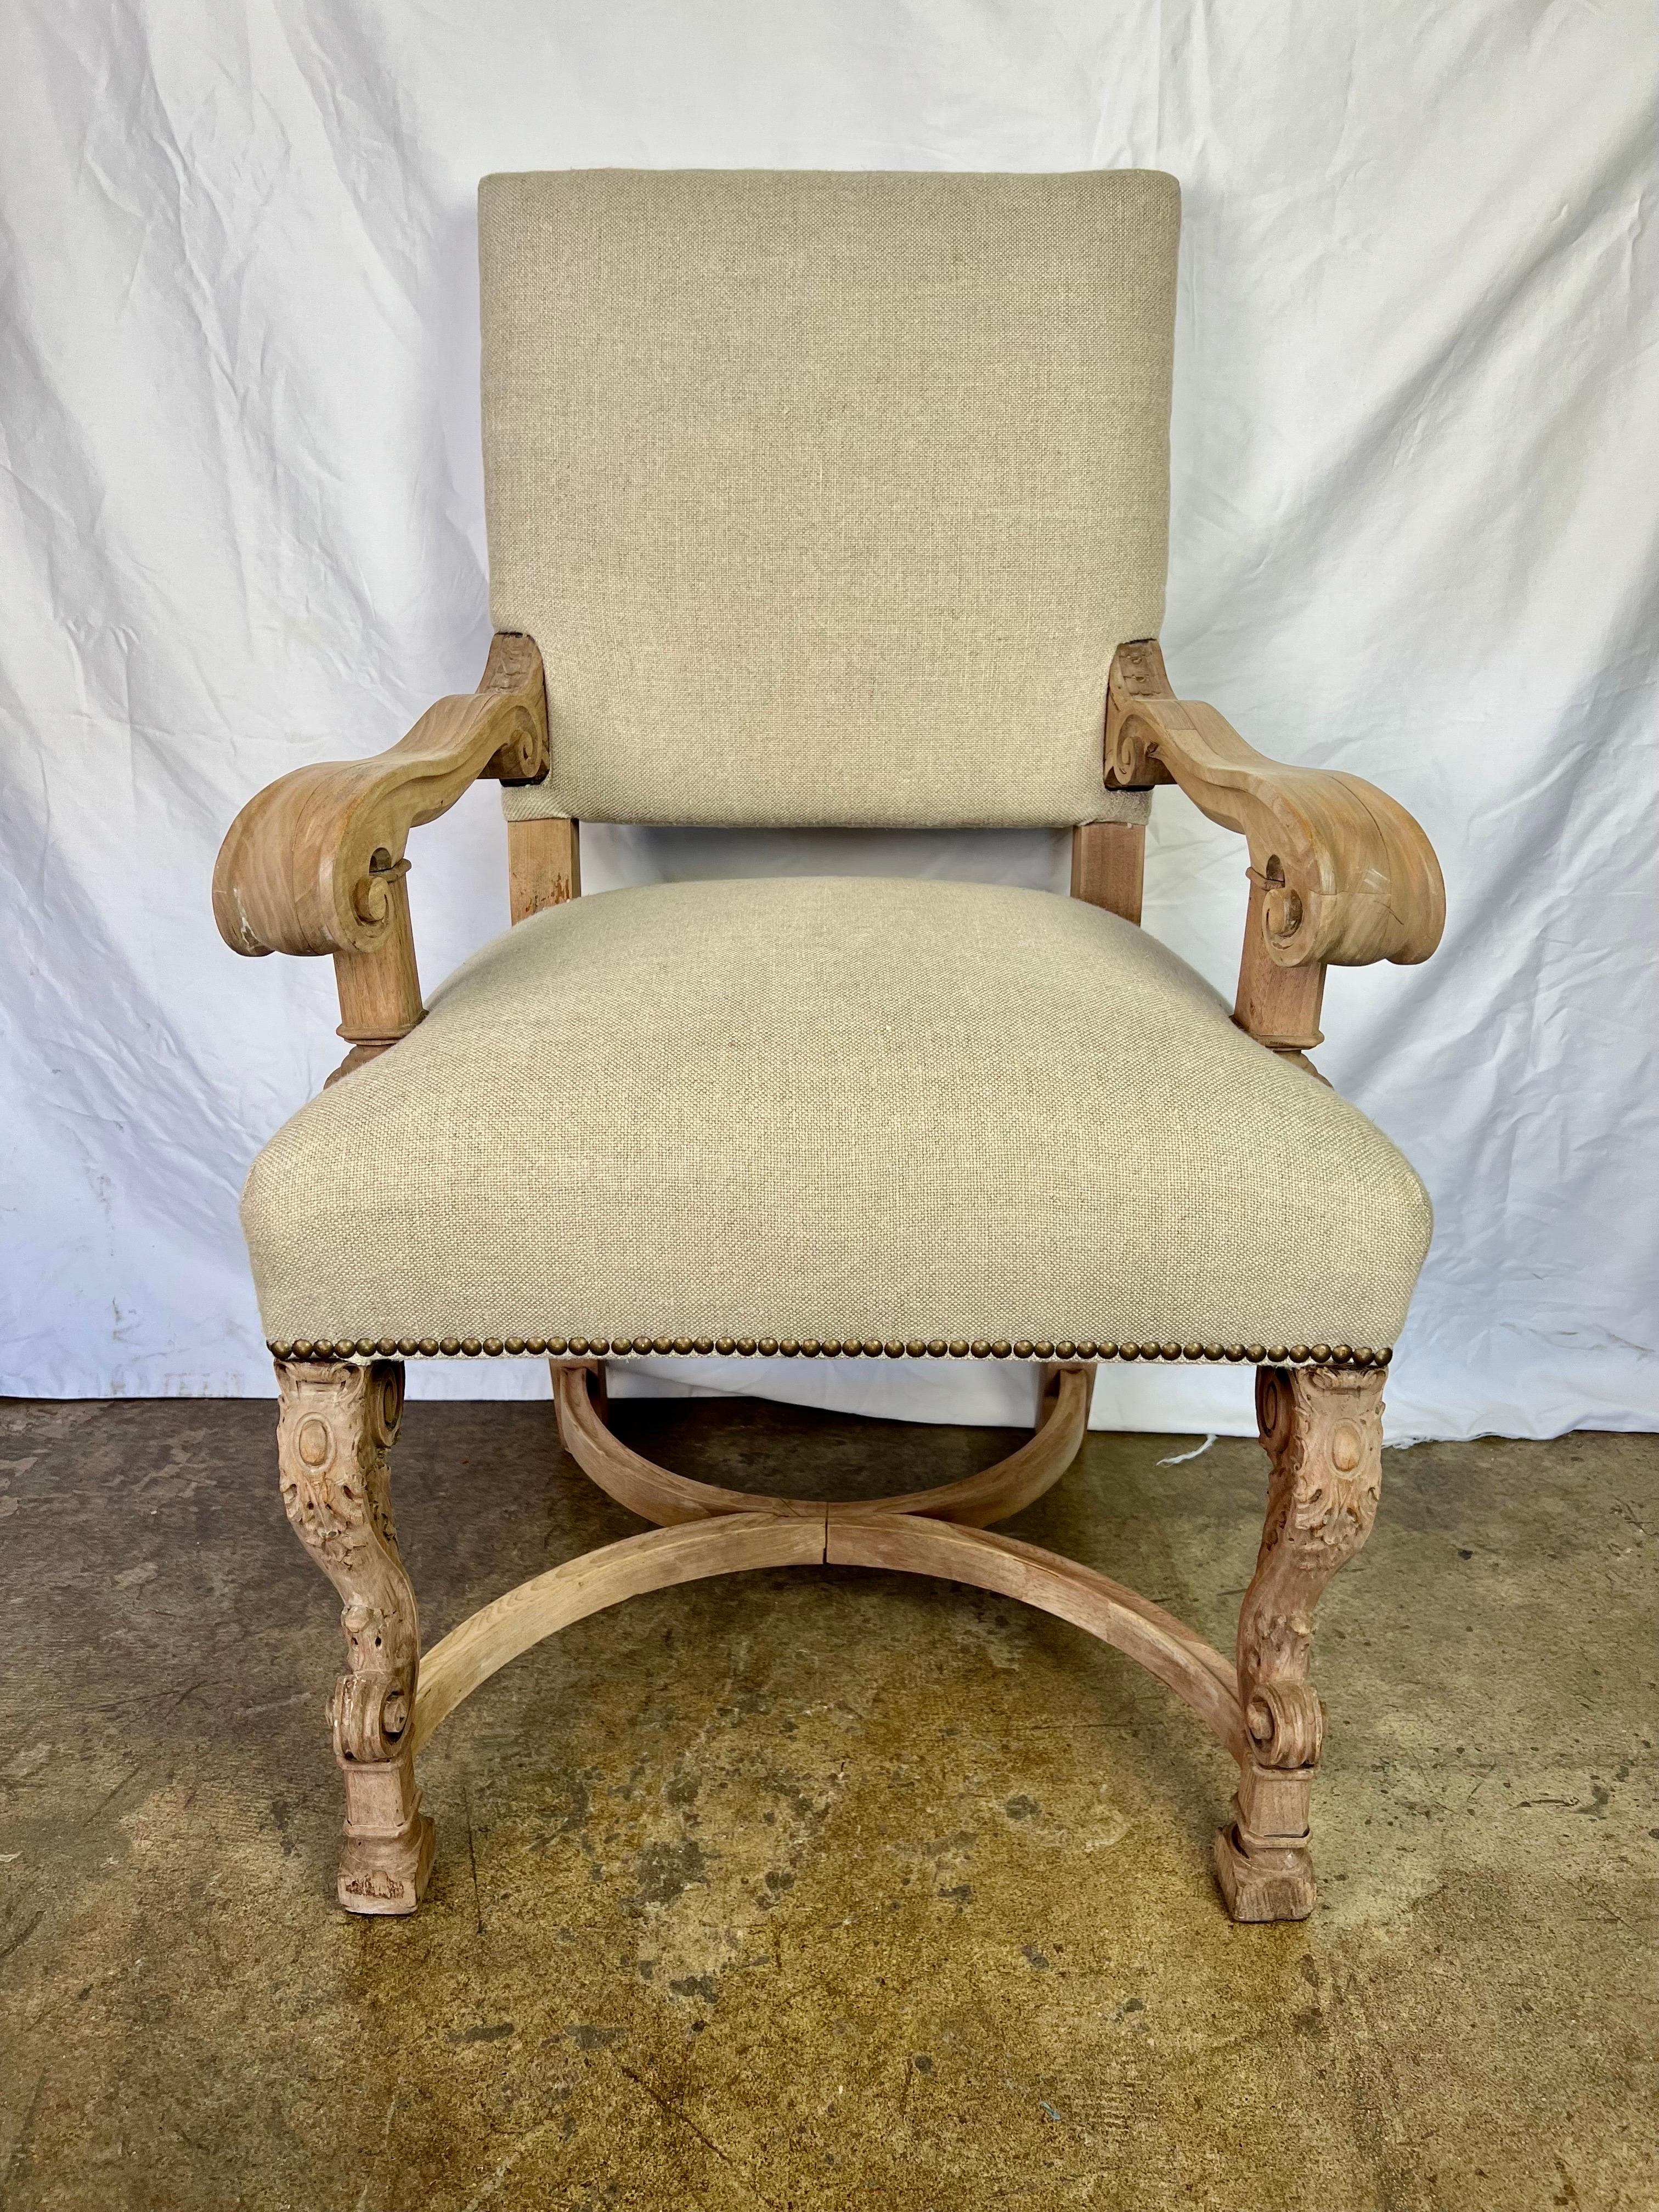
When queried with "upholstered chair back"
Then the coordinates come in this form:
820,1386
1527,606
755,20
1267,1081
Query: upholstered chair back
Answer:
827,496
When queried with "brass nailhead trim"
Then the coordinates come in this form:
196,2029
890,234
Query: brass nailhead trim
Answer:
870,1348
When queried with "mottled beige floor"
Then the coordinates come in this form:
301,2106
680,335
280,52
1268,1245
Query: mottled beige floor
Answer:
819,1888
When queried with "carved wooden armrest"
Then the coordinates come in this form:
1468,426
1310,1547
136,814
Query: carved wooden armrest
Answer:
1340,875
315,863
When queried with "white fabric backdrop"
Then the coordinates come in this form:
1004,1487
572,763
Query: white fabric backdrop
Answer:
241,528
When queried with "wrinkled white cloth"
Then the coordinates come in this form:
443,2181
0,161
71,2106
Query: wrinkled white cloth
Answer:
241,527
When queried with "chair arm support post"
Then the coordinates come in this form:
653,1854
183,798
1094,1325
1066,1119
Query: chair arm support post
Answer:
1341,875
381,991
1279,1006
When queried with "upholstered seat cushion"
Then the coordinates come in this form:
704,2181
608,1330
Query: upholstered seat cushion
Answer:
832,1108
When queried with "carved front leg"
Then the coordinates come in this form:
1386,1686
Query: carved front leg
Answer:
1321,1427
335,1426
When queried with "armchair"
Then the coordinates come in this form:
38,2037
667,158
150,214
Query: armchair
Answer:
898,558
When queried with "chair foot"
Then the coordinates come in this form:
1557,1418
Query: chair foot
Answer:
386,1860
1262,1881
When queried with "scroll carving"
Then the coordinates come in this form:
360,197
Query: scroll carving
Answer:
336,1425
334,1429
1321,1427
310,864
1346,876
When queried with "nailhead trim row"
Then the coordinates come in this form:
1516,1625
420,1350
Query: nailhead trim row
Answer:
767,1348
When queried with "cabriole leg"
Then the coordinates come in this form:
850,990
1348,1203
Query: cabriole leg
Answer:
335,1427
1322,1428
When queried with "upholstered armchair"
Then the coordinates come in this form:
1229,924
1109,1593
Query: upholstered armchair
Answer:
825,499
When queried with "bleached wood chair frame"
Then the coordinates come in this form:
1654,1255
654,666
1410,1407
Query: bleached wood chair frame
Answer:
1338,873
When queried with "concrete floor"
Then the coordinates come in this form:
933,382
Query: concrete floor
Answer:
818,1889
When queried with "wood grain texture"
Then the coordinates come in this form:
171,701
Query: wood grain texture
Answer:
335,1427
672,1500
1197,1673
895,1532
308,866
1351,876
381,991
731,1544
1278,1005
1108,866
1321,1429
544,864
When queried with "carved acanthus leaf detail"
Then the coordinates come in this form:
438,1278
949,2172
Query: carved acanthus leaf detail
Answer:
335,1427
1323,1430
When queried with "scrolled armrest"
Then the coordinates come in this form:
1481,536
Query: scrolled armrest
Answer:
1346,876
314,863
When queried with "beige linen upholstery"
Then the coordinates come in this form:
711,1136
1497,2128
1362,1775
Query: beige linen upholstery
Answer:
833,1108
828,497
